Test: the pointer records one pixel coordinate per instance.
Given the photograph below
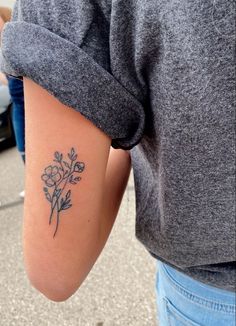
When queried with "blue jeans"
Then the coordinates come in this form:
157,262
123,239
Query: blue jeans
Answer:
183,301
18,113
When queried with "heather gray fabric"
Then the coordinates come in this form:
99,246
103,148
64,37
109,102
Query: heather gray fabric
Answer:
158,73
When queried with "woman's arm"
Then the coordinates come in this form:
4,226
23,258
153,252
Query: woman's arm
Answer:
71,200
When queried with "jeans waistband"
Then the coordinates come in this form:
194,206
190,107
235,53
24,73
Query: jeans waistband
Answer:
201,291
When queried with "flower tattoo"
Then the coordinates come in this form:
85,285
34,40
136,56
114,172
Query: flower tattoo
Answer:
57,177
51,175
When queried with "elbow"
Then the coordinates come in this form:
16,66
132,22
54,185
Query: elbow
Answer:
53,275
54,291
53,288
57,296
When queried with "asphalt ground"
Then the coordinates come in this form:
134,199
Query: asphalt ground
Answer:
120,290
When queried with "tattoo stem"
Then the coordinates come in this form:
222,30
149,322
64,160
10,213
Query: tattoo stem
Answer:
52,208
56,202
57,221
62,188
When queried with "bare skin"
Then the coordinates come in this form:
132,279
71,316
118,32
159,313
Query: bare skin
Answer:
3,79
57,264
1,24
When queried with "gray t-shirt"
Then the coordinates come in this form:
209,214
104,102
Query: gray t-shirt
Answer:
156,74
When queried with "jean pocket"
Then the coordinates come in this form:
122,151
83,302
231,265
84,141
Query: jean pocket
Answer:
176,317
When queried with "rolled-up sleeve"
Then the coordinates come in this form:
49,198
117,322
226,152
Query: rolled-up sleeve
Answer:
44,53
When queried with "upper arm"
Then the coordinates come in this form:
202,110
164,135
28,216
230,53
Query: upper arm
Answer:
51,127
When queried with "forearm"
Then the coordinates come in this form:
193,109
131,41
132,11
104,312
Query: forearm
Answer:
117,175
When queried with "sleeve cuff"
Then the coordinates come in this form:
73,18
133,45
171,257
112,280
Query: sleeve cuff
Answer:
74,78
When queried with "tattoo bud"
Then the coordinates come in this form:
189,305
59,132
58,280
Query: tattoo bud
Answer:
58,157
79,167
72,155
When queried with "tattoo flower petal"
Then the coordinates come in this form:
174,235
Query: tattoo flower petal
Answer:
44,177
50,183
48,170
54,170
51,175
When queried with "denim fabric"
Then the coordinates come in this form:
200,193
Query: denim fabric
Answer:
18,113
183,301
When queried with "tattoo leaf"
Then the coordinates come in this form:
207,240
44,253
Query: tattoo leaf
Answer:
48,196
58,156
45,189
65,206
62,202
66,164
68,194
77,179
72,155
71,180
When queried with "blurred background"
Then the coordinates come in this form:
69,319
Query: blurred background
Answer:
8,3
119,289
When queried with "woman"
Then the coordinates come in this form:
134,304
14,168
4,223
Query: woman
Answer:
155,77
